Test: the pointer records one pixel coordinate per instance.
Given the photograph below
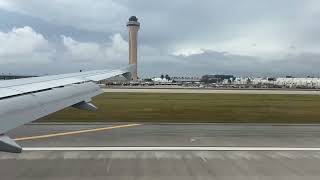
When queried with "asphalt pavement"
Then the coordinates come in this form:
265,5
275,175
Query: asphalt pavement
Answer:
164,164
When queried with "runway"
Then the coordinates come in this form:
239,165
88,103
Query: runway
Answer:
164,151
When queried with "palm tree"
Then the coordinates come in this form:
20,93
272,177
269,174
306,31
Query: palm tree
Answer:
167,77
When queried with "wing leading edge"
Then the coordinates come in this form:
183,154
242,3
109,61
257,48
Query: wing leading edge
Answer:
25,100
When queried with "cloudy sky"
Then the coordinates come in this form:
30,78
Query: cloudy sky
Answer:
178,37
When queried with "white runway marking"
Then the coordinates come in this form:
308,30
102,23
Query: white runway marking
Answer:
169,149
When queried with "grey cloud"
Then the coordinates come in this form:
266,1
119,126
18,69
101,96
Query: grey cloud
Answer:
272,26
212,62
50,30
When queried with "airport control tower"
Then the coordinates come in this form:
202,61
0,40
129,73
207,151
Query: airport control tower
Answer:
133,27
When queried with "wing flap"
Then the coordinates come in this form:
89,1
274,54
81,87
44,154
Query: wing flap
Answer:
27,88
6,92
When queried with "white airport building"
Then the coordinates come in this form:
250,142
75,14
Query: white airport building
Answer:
279,82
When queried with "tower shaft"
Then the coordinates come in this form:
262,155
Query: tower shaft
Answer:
133,28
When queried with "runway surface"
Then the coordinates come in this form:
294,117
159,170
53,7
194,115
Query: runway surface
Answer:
164,151
217,91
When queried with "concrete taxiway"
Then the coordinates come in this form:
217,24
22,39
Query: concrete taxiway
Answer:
164,151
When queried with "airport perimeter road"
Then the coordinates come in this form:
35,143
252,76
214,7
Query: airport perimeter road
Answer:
164,151
216,91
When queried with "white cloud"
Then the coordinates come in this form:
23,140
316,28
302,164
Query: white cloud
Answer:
263,40
118,49
94,52
188,51
24,46
82,51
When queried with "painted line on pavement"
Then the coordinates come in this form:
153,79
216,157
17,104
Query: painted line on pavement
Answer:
169,149
74,132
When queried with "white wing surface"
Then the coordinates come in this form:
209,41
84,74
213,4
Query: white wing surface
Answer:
25,100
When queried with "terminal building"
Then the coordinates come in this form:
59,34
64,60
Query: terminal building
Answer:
272,82
218,78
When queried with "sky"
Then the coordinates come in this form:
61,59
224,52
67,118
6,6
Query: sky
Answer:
177,37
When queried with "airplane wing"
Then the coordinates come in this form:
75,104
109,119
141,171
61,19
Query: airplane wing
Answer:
25,100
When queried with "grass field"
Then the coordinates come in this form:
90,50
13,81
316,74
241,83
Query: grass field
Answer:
152,107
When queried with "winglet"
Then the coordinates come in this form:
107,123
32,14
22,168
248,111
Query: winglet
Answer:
129,71
9,145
